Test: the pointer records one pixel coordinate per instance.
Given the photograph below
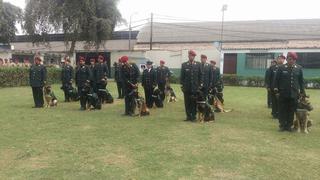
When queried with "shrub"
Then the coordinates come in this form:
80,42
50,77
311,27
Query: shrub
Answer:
19,76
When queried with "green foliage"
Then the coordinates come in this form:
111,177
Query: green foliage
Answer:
88,20
19,76
257,81
9,16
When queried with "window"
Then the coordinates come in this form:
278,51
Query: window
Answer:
258,60
309,60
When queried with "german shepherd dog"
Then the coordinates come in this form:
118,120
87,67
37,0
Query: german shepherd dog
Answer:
49,96
93,101
138,103
215,101
72,92
205,113
156,95
170,95
302,121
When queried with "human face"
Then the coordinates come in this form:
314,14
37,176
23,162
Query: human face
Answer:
291,61
81,62
100,59
203,60
191,57
280,60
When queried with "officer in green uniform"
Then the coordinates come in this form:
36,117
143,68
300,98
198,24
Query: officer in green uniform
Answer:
37,79
267,81
270,84
100,73
191,80
289,86
83,76
217,83
118,79
149,82
163,75
129,74
66,78
206,74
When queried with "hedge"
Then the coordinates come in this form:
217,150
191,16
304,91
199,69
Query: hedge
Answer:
19,76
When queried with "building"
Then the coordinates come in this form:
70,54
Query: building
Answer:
248,46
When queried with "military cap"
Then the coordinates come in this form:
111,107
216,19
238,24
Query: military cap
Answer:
124,59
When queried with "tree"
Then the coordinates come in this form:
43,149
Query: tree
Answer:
91,21
9,16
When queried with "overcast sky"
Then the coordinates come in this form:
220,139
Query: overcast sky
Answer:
210,10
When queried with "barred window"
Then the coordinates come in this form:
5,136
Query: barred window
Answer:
309,60
258,60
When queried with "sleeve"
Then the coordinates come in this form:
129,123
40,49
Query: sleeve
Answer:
106,70
154,78
182,75
44,75
201,75
90,74
76,77
71,72
143,78
62,71
301,82
276,78
267,78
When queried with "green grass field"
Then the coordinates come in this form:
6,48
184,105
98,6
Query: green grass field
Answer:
64,143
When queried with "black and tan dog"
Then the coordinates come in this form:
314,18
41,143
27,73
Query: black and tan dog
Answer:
204,110
170,96
138,104
302,121
49,96
93,101
156,96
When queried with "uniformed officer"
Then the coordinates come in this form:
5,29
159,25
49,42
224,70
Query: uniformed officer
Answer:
83,76
118,79
100,73
66,78
217,83
289,86
163,75
191,80
149,82
206,74
37,79
270,85
266,81
130,74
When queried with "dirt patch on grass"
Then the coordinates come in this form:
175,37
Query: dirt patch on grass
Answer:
7,157
119,158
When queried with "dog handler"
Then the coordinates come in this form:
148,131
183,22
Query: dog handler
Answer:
66,78
149,83
163,75
191,80
83,76
129,74
288,86
37,79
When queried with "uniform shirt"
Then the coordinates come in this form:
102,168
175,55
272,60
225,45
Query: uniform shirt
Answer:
37,75
83,75
191,76
270,76
149,78
216,79
66,74
130,74
117,73
162,74
206,74
289,81
100,71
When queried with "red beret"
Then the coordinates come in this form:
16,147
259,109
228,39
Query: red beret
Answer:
281,56
203,56
192,53
214,62
293,55
124,59
162,62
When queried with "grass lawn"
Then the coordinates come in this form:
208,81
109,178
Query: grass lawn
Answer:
64,143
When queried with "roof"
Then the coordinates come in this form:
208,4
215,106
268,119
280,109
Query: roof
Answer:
233,31
116,35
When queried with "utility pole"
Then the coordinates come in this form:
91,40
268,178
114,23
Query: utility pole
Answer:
151,31
224,8
130,30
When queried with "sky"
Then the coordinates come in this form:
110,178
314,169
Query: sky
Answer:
210,10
